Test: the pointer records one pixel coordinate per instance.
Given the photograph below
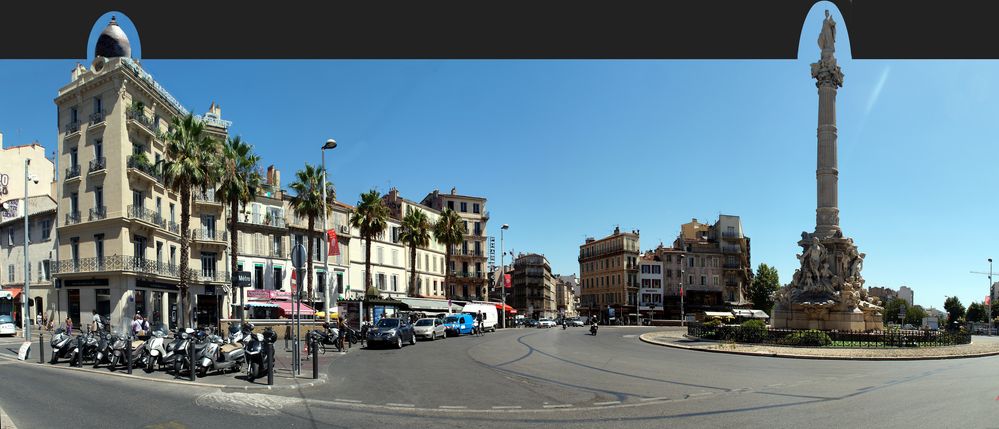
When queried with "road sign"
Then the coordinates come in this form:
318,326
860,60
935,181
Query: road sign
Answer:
298,255
242,278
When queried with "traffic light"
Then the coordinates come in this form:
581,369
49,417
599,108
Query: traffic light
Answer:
489,276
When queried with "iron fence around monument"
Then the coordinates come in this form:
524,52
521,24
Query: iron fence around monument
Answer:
835,339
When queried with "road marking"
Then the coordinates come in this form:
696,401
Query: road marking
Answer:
352,401
661,398
607,403
392,404
694,395
557,406
453,407
517,407
629,336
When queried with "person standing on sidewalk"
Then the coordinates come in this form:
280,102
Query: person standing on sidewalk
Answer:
38,321
69,326
343,334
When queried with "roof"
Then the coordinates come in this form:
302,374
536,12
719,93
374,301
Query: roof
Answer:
37,205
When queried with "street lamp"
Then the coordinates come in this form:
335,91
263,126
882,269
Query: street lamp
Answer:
683,316
26,316
503,280
988,309
330,144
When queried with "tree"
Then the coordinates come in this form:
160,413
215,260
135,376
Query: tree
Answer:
370,217
765,284
914,315
236,186
954,309
890,313
449,231
191,160
976,313
415,233
308,203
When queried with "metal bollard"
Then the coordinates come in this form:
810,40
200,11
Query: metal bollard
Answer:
79,354
270,363
190,359
41,348
128,354
315,360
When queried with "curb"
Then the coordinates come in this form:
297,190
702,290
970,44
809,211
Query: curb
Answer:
812,357
323,378
5,422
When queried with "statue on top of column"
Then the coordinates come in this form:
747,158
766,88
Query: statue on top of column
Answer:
827,38
826,71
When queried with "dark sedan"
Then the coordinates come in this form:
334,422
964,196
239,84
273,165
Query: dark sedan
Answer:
392,332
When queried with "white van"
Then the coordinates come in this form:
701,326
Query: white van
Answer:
489,314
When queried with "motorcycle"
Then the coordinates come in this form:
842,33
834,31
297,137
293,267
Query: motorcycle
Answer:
256,353
103,353
87,348
593,329
62,345
176,352
118,351
221,355
154,350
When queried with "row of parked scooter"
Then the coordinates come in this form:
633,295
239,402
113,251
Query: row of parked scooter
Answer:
178,351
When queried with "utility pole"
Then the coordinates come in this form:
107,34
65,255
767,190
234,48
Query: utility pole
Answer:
26,316
988,306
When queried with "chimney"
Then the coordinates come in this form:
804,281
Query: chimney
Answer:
277,179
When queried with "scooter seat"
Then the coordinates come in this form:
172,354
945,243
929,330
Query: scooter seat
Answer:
199,347
137,343
229,347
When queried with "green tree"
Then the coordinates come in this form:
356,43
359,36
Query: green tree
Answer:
236,186
415,233
370,217
449,231
191,160
976,313
765,284
891,311
308,203
914,315
954,309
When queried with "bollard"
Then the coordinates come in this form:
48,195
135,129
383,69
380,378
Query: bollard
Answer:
190,359
128,354
41,348
79,352
270,363
315,360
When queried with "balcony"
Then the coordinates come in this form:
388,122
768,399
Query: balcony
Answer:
485,216
207,197
98,213
72,218
732,265
263,220
97,118
731,249
209,235
211,276
142,122
146,215
468,275
72,128
731,235
97,164
469,253
73,172
116,263
144,170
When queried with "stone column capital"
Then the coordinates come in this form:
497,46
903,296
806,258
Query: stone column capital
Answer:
827,74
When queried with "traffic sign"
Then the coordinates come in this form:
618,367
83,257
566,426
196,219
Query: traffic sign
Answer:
298,255
242,278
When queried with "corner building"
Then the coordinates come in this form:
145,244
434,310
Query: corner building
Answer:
609,275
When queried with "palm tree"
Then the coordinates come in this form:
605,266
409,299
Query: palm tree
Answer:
370,217
416,233
308,203
449,231
190,161
236,186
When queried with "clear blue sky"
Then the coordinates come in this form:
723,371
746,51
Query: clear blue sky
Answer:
569,149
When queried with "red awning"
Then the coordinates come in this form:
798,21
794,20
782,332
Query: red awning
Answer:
509,309
15,291
289,308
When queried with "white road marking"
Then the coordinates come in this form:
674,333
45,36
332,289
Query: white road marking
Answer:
253,404
694,395
507,407
352,401
661,398
453,407
629,336
607,403
392,404
557,406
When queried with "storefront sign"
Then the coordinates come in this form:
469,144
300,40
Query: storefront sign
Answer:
266,294
242,278
152,285
86,282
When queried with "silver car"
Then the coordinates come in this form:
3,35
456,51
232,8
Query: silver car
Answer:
429,328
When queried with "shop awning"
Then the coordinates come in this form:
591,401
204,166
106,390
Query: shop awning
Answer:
426,304
718,314
509,309
289,308
15,291
760,314
261,304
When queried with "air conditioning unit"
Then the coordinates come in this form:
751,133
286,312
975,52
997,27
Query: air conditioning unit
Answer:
344,229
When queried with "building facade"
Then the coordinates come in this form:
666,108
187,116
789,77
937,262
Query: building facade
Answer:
717,270
905,293
533,287
429,260
468,260
41,254
651,278
609,275
566,295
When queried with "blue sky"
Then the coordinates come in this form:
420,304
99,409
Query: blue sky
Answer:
569,149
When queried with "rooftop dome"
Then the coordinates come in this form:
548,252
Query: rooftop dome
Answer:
112,42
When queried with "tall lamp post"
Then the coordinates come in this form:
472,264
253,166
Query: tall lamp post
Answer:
683,316
988,308
503,270
330,144
26,315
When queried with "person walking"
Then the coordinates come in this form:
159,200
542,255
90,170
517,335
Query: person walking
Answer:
97,323
136,326
342,327
69,326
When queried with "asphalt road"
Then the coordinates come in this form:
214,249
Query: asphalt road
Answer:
537,378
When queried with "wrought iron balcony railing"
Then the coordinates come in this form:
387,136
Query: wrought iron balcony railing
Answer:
141,118
146,215
98,213
73,218
205,234
98,164
73,172
72,127
96,118
145,168
261,219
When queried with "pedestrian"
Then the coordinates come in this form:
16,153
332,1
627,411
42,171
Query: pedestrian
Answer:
478,323
69,326
136,326
343,334
38,321
97,324
145,324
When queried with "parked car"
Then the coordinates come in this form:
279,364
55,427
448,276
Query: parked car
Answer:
430,328
7,325
531,323
459,324
575,322
546,323
391,331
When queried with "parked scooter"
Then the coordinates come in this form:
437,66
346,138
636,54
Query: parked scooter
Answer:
102,354
176,351
88,348
221,355
256,353
62,345
154,349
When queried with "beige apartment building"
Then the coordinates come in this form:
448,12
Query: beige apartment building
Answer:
430,259
119,237
716,269
470,258
533,291
565,295
609,275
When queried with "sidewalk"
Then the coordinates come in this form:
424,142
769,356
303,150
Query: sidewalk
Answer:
283,377
676,338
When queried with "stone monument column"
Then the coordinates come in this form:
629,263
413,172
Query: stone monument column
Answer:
828,78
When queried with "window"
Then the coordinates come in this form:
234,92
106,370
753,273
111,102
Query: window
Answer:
690,280
99,198
173,255
10,236
74,202
74,158
475,208
464,207
478,228
46,270
381,281
74,115
258,276
159,206
321,282
74,250
278,277
98,105
395,283
10,273
99,249
715,280
139,248
395,257
172,219
159,253
98,149
381,259
208,264
450,205
478,248
703,280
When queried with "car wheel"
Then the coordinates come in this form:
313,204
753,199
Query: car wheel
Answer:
412,340
398,342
